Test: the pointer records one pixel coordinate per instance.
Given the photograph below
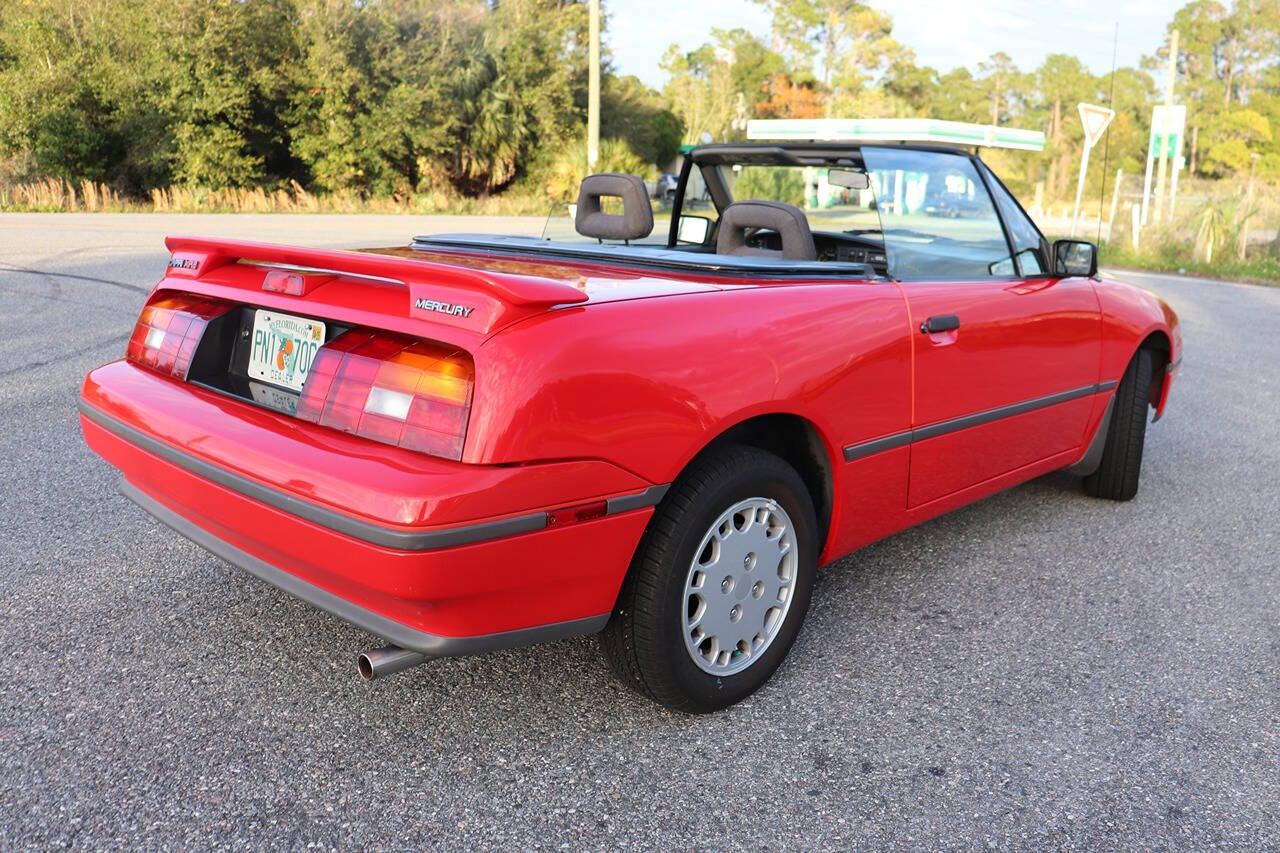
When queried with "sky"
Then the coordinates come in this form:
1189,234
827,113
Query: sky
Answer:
944,35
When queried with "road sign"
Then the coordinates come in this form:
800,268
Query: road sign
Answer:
1167,125
1095,120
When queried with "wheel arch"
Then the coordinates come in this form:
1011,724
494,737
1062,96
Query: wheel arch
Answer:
1159,345
798,442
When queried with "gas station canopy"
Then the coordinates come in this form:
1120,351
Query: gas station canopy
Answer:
890,130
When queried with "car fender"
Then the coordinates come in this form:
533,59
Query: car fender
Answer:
1130,317
647,383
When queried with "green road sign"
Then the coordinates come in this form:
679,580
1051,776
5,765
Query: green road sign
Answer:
1172,144
1168,125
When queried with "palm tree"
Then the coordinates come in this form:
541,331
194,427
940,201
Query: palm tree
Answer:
1211,223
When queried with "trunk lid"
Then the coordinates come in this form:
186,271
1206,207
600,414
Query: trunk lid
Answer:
379,289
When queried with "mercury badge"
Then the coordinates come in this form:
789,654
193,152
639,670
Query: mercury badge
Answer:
444,307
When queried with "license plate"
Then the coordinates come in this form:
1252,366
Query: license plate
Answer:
274,398
283,348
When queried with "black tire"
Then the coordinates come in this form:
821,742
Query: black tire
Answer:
1117,476
644,641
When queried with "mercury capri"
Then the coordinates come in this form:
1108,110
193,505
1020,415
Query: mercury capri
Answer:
476,442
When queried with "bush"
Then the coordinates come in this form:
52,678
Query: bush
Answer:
770,184
560,178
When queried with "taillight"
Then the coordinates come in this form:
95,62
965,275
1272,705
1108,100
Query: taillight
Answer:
391,388
168,331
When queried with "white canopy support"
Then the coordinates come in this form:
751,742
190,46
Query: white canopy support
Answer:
891,130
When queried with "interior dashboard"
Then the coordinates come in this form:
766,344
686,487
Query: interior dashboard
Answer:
832,246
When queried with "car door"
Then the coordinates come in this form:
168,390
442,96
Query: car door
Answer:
1005,357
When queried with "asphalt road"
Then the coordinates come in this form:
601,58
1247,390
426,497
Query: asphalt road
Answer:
1041,669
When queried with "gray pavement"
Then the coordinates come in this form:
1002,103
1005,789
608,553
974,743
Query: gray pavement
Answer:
1037,670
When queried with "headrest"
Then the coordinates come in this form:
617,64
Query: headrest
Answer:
634,223
788,220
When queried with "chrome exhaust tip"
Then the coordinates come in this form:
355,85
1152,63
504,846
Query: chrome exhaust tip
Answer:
387,660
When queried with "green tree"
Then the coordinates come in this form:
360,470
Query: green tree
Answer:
917,87
1002,80
1062,81
959,97
76,91
1234,138
374,101
701,91
631,111
225,97
850,41
525,93
770,184
752,63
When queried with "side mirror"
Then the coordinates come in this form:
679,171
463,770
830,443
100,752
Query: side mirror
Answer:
1075,258
693,229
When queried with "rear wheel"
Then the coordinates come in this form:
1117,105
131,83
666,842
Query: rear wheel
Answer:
1117,475
719,585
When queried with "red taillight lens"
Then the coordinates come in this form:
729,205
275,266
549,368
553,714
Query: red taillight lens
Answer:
391,388
168,331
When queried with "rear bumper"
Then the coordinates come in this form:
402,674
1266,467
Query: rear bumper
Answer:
464,586
398,633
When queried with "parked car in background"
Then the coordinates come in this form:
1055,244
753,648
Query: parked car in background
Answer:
953,205
666,188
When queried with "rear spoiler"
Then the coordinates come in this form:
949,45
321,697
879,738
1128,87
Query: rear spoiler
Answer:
456,296
194,257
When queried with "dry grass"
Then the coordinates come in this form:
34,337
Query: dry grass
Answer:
56,195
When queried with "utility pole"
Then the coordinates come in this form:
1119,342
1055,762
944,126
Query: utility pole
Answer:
593,88
1248,207
1163,167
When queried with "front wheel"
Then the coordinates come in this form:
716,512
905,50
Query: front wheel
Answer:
1117,475
719,585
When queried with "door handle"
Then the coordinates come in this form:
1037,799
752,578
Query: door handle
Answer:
940,323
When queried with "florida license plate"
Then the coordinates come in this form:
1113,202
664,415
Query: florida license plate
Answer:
283,348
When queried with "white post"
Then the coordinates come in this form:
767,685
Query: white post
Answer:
1163,166
593,86
1084,167
1173,189
1137,224
1146,189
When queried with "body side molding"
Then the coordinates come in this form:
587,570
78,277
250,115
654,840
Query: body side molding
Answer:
876,445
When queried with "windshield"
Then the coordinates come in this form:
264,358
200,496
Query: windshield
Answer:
910,214
937,217
929,210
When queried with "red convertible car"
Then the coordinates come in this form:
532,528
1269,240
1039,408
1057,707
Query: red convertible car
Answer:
476,442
